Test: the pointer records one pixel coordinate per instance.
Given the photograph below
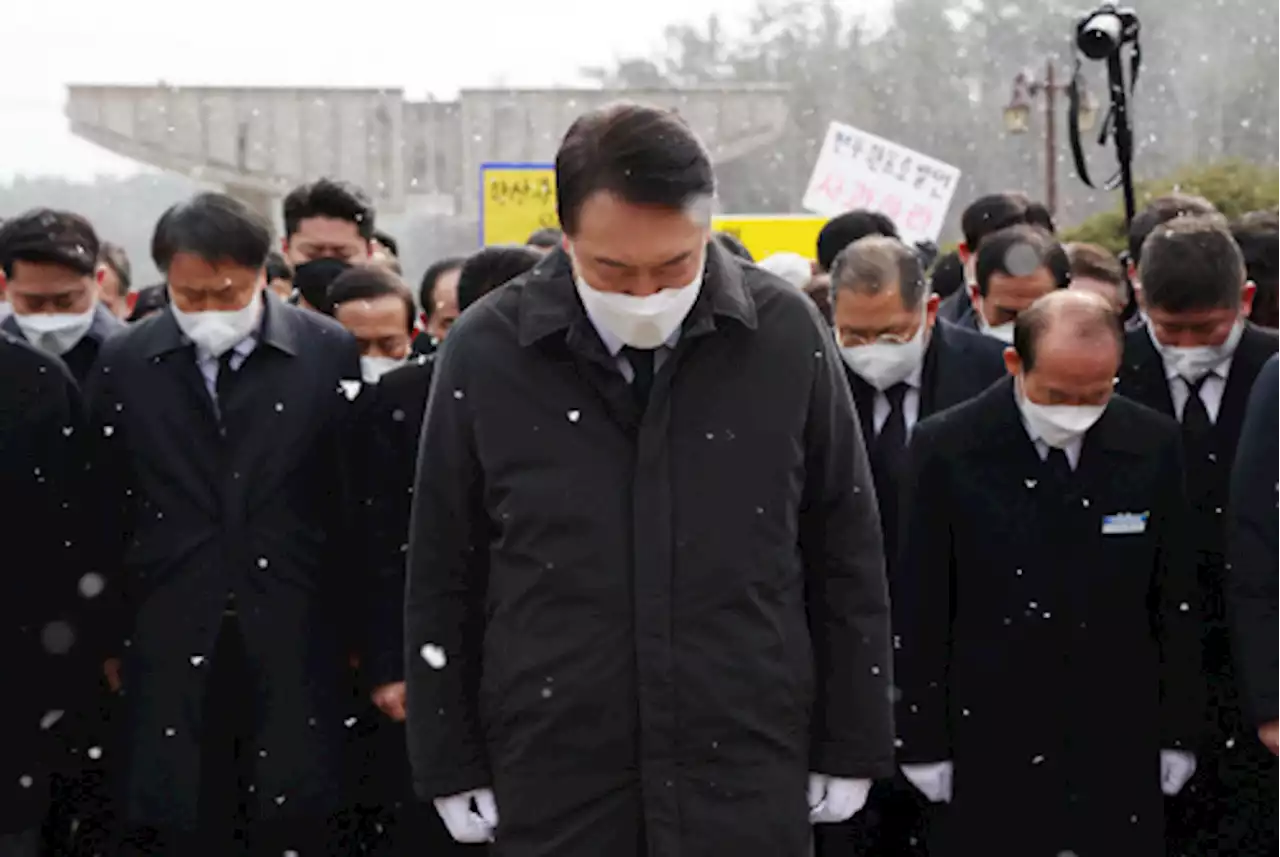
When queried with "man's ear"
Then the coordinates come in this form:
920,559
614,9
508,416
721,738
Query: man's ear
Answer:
962,250
1012,362
1247,295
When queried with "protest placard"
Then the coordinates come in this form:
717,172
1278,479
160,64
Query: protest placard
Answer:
860,170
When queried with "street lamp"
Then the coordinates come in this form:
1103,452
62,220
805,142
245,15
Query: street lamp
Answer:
1017,120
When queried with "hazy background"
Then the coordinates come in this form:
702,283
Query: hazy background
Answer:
931,74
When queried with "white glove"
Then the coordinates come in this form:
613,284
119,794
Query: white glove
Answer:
468,823
933,780
1176,767
833,800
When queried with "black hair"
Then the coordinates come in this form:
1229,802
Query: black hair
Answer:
150,299
490,268
1038,215
1258,235
645,155
1017,251
841,231
55,237
948,275
115,258
387,241
987,215
217,228
278,267
324,197
312,280
733,245
366,283
1162,210
1089,315
427,291
548,238
1191,263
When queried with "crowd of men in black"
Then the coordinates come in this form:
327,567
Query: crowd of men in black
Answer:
650,547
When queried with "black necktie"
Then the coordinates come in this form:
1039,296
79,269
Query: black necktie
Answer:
641,360
1059,466
225,380
892,437
1196,425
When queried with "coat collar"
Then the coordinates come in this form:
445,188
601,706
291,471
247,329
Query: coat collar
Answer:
1110,434
276,329
549,301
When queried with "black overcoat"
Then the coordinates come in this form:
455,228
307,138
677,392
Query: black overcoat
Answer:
45,525
644,630
252,499
1041,640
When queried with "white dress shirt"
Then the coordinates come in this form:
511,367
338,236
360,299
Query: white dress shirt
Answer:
209,364
1210,391
910,403
614,345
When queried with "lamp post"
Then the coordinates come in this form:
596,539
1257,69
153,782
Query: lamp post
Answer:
1017,120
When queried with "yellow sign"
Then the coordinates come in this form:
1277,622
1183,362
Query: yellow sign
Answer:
766,234
516,200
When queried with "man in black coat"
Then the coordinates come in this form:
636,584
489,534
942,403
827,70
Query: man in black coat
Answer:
903,365
223,425
49,273
1196,361
1045,603
42,478
646,608
985,216
1251,544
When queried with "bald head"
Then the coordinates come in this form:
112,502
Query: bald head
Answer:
1067,347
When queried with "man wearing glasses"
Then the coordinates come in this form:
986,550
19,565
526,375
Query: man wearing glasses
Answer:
903,365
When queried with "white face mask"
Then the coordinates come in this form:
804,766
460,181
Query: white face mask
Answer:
373,368
218,331
1058,425
641,322
1002,332
1193,362
55,333
883,364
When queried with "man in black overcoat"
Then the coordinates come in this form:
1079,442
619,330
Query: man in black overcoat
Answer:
223,425
1196,360
646,607
904,365
46,527
1045,604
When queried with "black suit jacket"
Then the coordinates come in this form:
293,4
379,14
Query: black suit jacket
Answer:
252,498
81,357
399,404
47,519
957,308
1142,378
958,365
1251,548
1042,638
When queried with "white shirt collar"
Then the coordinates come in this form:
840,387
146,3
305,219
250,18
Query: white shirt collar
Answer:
614,345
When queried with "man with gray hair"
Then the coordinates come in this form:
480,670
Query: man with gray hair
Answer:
903,364
1044,602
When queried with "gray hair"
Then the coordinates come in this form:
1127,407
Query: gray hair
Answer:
875,263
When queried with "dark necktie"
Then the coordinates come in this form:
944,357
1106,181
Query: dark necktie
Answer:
226,379
891,440
1196,424
887,452
641,360
1059,466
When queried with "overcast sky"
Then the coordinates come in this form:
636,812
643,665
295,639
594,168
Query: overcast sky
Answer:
422,46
